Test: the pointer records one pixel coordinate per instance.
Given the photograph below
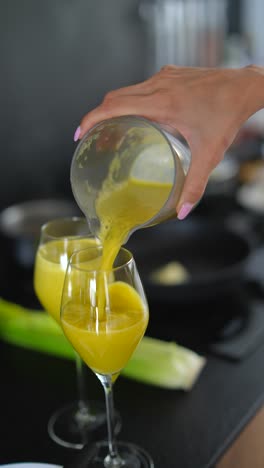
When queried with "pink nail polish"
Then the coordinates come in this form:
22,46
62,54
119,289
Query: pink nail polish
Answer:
77,133
185,210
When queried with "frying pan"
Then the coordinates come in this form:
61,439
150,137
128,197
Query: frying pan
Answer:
214,256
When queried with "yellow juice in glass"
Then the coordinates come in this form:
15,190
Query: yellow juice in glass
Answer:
107,345
50,267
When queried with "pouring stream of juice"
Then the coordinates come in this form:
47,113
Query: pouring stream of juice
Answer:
120,209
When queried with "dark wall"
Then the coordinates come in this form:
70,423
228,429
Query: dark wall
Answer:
58,58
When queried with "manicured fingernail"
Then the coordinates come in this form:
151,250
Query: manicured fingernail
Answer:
77,133
185,210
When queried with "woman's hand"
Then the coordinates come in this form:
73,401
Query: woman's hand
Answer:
208,106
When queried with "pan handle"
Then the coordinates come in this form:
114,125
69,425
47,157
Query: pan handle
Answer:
255,268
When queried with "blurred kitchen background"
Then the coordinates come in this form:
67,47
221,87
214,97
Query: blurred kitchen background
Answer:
59,58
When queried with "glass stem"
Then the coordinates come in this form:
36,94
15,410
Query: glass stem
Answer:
112,459
82,399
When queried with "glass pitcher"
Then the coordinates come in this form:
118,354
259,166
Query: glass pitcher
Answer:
126,148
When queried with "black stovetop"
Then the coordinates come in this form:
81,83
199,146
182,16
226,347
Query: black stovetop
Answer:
229,325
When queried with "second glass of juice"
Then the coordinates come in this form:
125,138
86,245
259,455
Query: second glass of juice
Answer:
73,425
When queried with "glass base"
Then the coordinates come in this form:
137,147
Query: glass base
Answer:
130,456
73,426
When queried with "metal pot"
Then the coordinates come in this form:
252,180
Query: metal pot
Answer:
21,224
19,233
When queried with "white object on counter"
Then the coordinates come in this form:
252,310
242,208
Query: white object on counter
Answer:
251,196
29,465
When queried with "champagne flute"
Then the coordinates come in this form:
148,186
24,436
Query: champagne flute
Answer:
72,425
104,315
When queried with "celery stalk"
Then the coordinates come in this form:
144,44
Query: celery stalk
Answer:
33,330
155,362
164,364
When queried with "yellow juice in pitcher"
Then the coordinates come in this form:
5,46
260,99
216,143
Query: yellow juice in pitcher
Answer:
124,207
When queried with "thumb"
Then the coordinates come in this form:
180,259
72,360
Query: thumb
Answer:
194,186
